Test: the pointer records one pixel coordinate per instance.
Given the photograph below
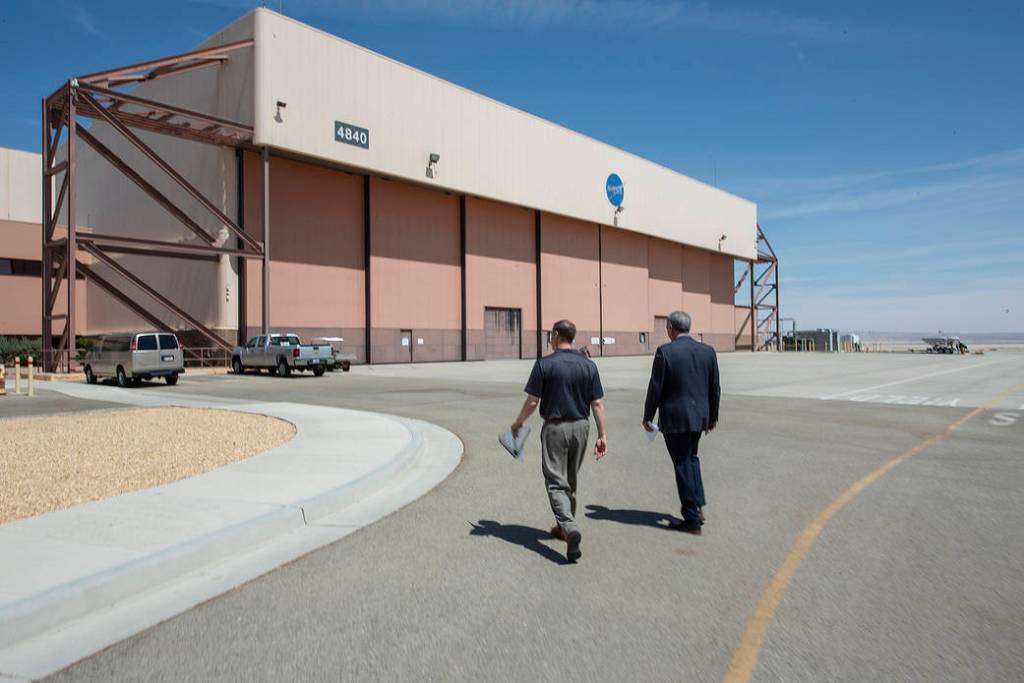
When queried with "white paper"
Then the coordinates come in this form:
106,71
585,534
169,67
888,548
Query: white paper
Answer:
651,436
514,445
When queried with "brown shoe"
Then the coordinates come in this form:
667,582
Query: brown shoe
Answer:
686,527
556,532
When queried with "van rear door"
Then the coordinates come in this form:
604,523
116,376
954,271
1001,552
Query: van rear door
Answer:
147,355
170,353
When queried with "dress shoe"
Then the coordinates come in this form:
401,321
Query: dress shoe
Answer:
573,553
686,527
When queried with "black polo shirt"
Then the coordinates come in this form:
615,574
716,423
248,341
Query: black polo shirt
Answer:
566,382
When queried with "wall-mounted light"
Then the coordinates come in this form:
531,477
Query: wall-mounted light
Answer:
720,240
280,105
615,217
432,164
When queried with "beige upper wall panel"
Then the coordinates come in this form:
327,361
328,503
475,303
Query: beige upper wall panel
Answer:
487,149
21,192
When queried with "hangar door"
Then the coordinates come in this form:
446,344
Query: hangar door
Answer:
660,335
503,333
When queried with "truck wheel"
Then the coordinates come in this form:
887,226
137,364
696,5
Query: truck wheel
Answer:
236,365
318,371
90,378
346,366
171,379
282,368
122,378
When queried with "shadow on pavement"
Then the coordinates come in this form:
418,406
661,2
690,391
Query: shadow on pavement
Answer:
658,520
524,536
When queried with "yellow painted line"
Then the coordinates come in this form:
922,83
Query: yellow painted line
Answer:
745,657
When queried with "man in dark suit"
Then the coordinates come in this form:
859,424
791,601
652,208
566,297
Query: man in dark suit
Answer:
684,391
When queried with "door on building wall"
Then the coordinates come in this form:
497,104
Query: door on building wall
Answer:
405,355
503,333
660,335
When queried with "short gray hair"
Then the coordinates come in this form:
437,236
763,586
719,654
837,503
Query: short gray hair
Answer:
679,321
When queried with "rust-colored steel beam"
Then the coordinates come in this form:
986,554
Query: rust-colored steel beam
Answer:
61,272
120,296
113,243
55,212
169,70
100,76
746,271
160,298
53,134
70,255
47,197
161,127
55,169
159,197
164,107
177,177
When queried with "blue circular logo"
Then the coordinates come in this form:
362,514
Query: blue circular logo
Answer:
615,189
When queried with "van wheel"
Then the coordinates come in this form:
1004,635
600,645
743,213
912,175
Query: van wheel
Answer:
345,366
282,368
171,379
236,365
318,371
89,377
122,378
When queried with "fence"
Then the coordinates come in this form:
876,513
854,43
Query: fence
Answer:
206,357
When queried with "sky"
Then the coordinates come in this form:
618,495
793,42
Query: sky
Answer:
882,141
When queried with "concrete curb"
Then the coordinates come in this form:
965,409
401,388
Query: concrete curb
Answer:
428,456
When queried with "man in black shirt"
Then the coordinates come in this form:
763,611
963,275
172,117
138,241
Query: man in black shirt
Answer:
567,386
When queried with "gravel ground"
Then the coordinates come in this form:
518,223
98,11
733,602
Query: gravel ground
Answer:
49,463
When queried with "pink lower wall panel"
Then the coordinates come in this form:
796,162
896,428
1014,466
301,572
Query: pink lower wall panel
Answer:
415,272
569,272
500,255
21,306
316,246
665,281
624,280
20,240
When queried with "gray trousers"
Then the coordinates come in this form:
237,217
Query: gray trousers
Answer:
563,446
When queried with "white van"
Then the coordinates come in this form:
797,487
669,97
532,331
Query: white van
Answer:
131,358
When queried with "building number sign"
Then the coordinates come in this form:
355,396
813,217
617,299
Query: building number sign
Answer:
351,135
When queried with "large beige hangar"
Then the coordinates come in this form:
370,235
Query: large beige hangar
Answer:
415,219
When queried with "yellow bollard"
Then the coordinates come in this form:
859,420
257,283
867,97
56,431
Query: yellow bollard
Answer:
17,374
30,375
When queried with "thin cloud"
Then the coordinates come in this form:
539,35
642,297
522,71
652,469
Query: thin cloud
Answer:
999,160
85,20
866,201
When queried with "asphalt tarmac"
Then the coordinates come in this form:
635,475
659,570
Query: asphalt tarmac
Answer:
917,578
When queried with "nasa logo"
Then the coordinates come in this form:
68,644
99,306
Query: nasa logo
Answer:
615,189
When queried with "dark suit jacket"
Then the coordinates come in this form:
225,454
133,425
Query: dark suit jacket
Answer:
684,386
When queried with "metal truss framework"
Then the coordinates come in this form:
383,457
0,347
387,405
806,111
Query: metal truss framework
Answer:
763,275
96,97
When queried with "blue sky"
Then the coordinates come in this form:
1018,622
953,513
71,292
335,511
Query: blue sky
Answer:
882,141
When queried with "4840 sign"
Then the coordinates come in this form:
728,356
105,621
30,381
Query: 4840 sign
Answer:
351,135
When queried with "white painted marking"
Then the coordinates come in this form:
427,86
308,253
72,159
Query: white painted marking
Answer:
912,379
901,400
1003,419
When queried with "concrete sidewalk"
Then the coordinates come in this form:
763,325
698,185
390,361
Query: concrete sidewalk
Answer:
77,580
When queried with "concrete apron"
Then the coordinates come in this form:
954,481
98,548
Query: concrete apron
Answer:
75,581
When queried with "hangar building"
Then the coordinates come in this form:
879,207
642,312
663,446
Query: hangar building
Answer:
281,178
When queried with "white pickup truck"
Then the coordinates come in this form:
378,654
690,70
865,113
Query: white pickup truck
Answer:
280,354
